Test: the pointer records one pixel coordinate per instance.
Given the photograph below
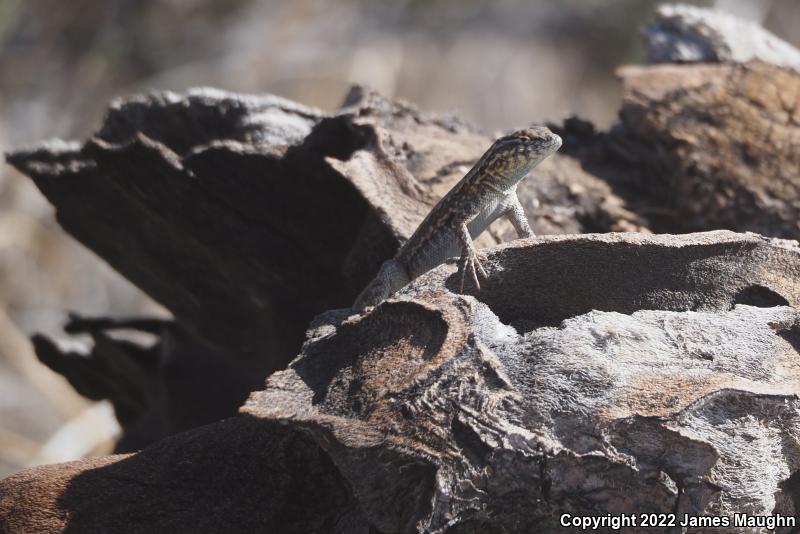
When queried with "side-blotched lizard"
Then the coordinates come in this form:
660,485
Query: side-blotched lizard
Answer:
486,192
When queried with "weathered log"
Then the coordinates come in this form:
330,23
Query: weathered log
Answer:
597,374
717,145
238,475
688,34
721,143
645,374
247,216
189,196
174,385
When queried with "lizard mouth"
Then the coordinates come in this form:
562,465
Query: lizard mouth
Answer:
544,141
555,142
547,147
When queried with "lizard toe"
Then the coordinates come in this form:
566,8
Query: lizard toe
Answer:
479,257
475,268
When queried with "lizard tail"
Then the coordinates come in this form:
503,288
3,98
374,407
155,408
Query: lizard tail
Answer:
391,277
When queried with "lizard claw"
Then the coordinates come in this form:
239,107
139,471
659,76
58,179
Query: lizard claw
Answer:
471,260
479,257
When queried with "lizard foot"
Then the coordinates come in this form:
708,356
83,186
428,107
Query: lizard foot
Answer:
471,261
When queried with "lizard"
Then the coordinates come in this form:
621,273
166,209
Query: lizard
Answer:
486,192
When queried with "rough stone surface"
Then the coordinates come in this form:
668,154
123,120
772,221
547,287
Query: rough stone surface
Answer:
592,374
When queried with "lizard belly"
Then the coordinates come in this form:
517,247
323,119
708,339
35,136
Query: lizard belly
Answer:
495,208
446,243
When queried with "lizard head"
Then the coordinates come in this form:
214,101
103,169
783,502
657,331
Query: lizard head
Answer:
514,155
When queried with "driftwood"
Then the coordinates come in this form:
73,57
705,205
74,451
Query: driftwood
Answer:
592,374
722,139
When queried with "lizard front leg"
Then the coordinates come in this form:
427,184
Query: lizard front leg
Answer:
470,258
391,277
516,215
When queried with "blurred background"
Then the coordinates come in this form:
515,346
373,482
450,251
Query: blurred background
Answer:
498,63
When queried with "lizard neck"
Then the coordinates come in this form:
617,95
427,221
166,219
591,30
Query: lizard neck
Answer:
509,182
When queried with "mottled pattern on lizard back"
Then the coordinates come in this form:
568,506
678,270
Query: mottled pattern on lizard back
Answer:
487,184
488,191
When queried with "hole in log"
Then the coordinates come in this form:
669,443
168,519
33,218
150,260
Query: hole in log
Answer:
760,296
383,350
555,279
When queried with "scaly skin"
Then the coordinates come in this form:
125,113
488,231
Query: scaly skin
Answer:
486,192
